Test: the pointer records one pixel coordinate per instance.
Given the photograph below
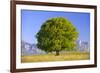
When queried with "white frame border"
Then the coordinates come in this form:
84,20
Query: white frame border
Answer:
20,65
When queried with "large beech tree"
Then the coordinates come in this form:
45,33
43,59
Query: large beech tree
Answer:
57,34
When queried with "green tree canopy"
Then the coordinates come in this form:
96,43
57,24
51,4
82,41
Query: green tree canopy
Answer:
57,34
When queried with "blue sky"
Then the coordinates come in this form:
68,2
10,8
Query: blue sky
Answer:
31,21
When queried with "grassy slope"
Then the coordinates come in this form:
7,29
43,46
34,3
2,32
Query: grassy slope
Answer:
51,57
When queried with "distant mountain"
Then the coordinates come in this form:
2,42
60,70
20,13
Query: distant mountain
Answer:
83,46
30,49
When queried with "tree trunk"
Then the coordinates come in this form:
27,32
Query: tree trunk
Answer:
57,53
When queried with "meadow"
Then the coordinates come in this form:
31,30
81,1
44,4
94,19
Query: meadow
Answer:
66,56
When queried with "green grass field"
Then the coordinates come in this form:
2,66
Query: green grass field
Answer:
51,57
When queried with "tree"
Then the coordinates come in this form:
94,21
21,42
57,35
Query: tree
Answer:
57,34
